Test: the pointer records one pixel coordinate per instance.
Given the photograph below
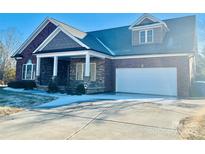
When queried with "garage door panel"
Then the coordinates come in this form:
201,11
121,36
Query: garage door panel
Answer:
160,81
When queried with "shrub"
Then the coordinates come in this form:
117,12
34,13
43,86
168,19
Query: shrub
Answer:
2,82
80,89
52,86
26,84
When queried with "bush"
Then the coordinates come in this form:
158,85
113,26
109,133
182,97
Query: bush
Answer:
80,89
2,82
52,86
9,75
26,84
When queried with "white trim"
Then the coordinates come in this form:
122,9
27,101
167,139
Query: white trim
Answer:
38,66
147,27
148,16
93,72
33,35
32,71
74,38
61,54
105,46
72,30
98,54
55,66
47,40
83,71
152,56
146,36
17,58
101,55
87,65
53,34
76,71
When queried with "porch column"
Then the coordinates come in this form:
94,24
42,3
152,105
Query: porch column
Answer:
55,66
38,62
87,65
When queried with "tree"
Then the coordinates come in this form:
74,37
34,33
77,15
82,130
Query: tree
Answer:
9,41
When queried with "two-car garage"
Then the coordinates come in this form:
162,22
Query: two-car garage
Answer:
157,81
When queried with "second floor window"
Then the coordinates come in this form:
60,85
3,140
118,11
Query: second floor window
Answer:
146,36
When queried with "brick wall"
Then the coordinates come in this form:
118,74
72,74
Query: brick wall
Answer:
27,52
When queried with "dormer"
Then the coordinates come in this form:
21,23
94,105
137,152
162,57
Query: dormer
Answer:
148,30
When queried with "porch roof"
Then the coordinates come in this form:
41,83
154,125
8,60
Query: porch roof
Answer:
61,50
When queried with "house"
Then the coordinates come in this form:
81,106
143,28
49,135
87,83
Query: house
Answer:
150,56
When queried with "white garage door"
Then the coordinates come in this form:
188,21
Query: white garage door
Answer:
159,81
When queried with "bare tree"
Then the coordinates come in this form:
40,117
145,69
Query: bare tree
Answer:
9,41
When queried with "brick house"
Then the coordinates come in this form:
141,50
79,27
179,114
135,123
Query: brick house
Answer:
151,56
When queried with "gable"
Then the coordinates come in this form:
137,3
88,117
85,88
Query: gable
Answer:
146,21
61,41
36,42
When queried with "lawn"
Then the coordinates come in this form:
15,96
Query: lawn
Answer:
12,102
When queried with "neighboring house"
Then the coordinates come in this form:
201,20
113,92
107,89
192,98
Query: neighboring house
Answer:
151,56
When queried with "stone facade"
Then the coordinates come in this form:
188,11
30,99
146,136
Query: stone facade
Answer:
92,86
27,52
67,74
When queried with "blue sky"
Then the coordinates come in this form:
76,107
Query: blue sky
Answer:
26,23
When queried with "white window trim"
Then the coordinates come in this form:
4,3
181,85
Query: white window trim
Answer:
83,71
32,70
94,72
76,77
146,36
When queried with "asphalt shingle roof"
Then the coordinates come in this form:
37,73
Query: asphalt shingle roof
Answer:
181,38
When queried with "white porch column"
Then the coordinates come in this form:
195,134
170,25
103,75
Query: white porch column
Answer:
55,66
38,62
87,65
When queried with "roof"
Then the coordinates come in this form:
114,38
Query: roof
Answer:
181,38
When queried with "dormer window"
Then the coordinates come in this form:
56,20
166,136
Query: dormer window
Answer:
148,29
146,36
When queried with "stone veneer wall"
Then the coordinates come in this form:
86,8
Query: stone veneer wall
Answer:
93,86
27,52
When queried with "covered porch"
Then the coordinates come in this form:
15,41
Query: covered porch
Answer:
69,69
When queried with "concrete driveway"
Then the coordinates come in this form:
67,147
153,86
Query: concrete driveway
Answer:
114,119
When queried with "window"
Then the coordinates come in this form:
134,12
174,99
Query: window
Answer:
92,71
29,71
80,67
149,36
79,71
142,37
146,36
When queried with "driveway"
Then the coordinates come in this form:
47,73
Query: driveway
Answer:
112,119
